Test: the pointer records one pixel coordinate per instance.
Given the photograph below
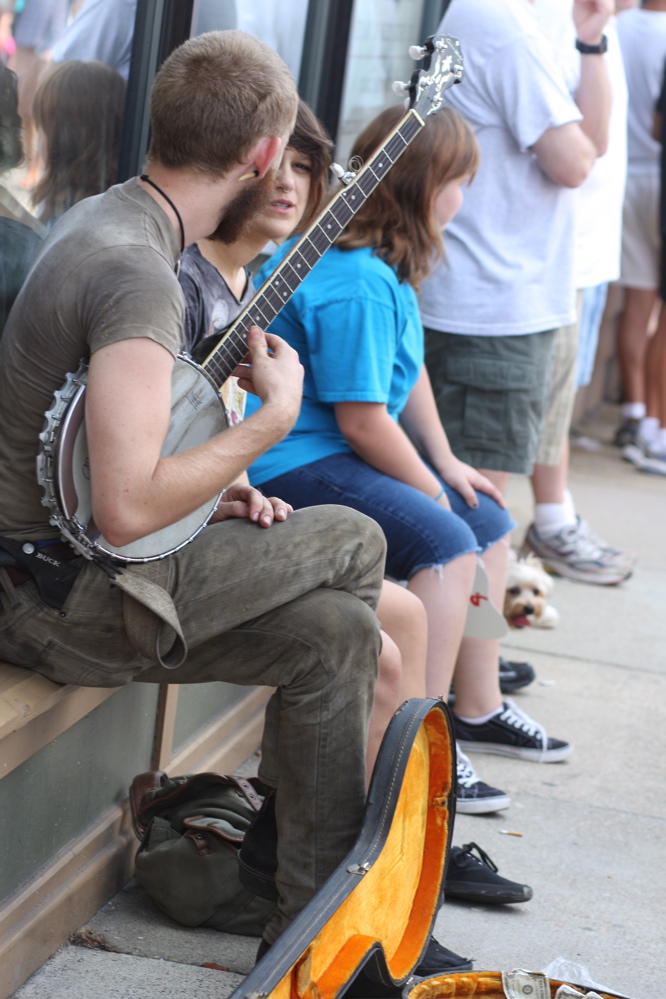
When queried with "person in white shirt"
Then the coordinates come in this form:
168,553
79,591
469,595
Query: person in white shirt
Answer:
557,535
643,38
492,310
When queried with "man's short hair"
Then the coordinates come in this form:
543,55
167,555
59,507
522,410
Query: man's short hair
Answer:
215,97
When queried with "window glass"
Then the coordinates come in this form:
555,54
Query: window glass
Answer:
63,74
282,26
381,33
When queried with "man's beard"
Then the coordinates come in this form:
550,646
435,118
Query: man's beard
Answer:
242,209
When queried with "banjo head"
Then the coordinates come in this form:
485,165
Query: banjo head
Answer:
197,414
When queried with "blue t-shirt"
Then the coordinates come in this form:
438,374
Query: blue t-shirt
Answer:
359,336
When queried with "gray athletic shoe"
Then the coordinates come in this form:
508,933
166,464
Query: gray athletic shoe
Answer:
577,553
653,463
635,452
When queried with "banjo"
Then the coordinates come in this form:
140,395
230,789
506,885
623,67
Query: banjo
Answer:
197,411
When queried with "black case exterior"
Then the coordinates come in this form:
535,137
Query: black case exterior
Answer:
409,814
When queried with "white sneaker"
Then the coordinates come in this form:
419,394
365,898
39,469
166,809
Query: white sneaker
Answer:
654,462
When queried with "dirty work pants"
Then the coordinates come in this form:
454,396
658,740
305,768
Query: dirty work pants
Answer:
291,606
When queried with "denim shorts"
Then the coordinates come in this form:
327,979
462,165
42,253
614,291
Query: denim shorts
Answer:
419,532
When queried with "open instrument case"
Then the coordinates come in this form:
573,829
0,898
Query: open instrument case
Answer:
378,908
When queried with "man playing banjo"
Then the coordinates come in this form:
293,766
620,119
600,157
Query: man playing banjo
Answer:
256,597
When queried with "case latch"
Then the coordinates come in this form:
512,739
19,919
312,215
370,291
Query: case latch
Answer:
359,868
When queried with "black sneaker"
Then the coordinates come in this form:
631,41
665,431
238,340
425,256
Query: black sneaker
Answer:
473,797
437,960
511,733
627,432
513,676
475,879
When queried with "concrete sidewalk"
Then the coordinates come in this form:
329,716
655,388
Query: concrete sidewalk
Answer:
592,828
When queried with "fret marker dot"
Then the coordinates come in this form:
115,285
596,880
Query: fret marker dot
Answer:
284,293
353,197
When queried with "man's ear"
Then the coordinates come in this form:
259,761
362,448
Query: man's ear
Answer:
262,155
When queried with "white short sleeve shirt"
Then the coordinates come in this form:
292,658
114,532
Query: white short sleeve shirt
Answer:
509,267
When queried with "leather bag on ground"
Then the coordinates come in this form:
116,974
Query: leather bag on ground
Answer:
191,829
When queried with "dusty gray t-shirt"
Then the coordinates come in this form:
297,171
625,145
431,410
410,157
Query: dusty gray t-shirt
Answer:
105,273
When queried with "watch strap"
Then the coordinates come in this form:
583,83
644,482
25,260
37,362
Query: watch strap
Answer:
599,49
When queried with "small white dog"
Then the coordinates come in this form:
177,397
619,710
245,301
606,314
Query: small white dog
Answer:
527,589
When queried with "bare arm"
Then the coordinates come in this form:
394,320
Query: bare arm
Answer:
128,402
420,419
382,443
375,437
567,153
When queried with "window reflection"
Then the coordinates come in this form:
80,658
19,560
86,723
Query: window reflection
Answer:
62,94
78,110
101,29
381,33
20,234
282,26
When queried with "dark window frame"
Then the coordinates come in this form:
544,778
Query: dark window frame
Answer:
162,25
159,27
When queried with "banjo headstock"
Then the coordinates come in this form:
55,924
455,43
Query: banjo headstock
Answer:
442,67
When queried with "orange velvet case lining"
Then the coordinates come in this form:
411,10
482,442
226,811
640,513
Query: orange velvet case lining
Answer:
475,985
388,906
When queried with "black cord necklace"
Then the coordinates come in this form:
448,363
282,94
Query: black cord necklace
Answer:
146,178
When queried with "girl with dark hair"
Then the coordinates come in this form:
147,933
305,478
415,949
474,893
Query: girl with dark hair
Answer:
369,436
78,108
214,277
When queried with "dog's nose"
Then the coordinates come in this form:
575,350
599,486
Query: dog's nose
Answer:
528,609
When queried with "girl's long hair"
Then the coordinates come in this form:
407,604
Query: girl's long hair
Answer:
311,139
397,220
79,108
11,148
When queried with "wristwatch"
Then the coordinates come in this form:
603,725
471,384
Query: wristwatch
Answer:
599,49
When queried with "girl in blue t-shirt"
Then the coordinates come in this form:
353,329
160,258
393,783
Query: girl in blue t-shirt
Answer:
369,435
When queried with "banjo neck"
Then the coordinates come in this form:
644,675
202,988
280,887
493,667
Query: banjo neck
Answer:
317,238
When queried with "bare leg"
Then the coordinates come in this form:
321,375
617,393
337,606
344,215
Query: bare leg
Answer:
632,341
499,479
444,592
386,698
655,372
549,482
401,662
476,675
403,618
